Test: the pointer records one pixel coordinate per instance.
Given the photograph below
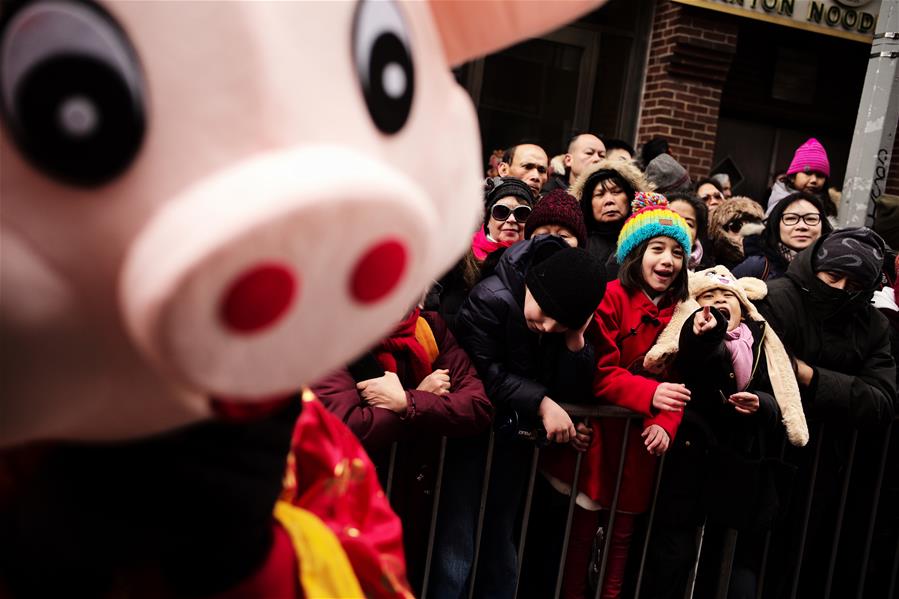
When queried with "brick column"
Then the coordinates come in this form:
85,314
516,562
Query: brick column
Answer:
689,56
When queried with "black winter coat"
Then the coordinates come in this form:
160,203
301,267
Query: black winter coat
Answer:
518,366
843,337
705,471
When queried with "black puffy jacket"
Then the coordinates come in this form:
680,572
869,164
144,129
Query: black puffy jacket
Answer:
843,337
518,366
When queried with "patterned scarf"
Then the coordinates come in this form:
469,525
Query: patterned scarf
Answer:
786,252
403,346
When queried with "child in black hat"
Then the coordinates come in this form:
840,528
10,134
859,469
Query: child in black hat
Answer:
523,327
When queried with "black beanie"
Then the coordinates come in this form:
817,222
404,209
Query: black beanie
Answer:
855,252
497,188
568,285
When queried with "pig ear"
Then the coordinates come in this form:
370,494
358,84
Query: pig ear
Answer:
472,29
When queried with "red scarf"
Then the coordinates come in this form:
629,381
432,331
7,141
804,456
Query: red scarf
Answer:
481,245
402,345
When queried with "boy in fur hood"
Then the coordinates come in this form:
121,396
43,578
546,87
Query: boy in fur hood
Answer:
741,382
729,224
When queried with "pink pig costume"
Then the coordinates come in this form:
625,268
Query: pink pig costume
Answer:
205,206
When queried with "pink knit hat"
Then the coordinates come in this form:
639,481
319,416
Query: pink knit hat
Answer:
810,156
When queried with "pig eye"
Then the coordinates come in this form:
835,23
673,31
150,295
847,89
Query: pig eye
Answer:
383,63
72,90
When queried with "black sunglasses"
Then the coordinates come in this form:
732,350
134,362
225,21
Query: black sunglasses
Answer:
501,212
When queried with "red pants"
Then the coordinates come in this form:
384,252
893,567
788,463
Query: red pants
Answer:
583,529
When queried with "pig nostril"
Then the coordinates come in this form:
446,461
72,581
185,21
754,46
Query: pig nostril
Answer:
378,271
258,297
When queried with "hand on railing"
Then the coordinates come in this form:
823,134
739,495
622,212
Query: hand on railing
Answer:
655,439
671,397
584,435
556,421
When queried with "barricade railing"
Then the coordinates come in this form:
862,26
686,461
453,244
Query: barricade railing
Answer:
787,584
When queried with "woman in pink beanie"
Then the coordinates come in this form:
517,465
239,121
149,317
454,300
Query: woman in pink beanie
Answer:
808,172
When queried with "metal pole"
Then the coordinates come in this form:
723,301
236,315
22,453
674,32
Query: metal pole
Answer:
568,520
485,489
435,509
875,127
841,512
613,511
869,538
808,510
727,563
391,469
652,515
526,517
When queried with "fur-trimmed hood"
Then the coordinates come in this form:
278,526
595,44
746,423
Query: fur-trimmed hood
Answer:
626,169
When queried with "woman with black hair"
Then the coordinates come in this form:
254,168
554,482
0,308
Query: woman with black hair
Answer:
696,214
605,192
796,223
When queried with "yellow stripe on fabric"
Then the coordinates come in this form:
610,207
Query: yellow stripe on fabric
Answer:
425,336
325,570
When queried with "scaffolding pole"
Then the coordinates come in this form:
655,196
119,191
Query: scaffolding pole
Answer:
875,127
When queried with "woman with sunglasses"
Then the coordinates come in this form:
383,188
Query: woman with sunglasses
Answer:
797,222
508,205
711,193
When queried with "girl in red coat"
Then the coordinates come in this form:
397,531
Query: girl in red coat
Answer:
652,279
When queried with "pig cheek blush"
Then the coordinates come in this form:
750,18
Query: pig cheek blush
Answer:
72,91
378,271
259,297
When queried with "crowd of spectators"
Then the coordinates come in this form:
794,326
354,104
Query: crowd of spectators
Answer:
734,328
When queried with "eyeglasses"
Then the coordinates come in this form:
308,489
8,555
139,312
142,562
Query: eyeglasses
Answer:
712,196
791,218
501,212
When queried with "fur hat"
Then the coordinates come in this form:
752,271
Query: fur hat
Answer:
651,217
732,209
780,368
586,182
558,208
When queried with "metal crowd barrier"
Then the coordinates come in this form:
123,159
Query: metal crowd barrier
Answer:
882,588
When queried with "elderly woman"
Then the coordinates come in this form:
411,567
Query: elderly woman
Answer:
605,192
797,222
507,203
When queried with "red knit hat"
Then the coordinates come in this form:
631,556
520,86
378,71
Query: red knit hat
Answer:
810,156
558,208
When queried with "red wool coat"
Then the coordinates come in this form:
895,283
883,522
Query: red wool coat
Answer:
629,324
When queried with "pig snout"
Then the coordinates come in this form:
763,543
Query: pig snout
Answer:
255,280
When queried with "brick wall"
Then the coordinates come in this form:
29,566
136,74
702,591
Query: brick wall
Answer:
689,57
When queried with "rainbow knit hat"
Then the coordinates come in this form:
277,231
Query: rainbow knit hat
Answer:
651,217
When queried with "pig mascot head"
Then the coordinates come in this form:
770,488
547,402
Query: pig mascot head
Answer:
215,202
206,205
